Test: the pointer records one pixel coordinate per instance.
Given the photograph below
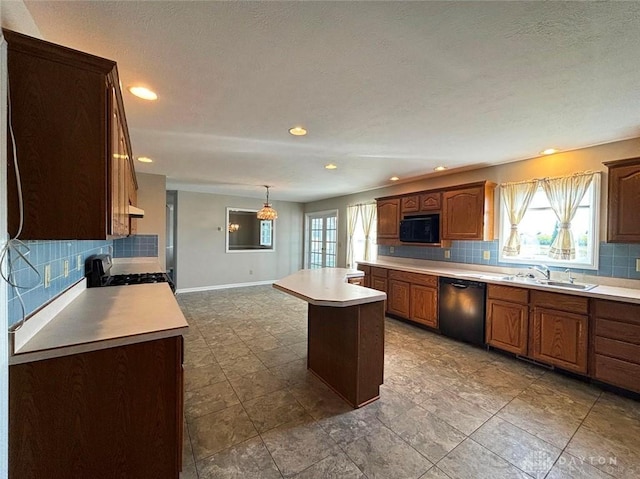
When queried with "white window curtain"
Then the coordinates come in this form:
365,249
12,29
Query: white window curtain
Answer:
564,195
352,221
369,213
516,198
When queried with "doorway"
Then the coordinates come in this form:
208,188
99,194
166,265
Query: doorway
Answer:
321,246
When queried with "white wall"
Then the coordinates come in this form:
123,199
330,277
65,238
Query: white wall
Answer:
201,258
554,165
152,198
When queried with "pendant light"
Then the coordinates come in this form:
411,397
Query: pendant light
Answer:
267,212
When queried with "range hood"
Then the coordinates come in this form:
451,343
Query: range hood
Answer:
135,212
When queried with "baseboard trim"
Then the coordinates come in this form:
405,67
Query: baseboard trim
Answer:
224,286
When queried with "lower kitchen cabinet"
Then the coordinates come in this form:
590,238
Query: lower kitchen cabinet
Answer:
399,297
115,412
559,330
507,323
366,269
616,346
424,305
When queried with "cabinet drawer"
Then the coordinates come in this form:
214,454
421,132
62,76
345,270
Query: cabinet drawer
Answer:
415,278
618,349
379,272
365,268
617,372
559,301
629,313
507,293
628,333
430,201
379,283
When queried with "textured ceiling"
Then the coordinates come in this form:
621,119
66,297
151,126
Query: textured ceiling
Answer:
384,88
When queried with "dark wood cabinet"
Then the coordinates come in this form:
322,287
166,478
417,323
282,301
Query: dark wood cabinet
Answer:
70,148
467,213
388,220
507,324
410,204
623,216
366,280
430,201
424,305
559,330
616,345
399,297
116,412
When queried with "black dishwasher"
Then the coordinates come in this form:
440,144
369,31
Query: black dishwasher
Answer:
461,309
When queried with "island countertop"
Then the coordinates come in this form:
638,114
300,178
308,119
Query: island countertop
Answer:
328,287
100,318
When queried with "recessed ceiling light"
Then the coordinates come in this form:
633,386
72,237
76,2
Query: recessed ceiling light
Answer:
394,178
297,131
144,93
144,159
440,168
549,151
330,166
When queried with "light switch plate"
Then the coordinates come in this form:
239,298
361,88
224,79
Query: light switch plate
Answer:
447,254
486,255
391,249
79,262
637,264
65,267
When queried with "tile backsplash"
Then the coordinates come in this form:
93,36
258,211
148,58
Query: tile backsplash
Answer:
54,254
134,246
616,260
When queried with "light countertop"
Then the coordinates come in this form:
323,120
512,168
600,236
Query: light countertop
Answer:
613,293
136,267
100,318
328,287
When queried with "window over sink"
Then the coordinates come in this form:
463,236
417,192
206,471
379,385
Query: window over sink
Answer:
540,226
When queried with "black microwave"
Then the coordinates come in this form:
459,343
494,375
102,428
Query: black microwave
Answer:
420,229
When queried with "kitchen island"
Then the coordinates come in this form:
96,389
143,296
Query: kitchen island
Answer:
346,331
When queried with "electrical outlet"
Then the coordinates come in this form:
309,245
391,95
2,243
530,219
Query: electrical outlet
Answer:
391,249
66,268
447,254
47,275
79,262
637,264
486,255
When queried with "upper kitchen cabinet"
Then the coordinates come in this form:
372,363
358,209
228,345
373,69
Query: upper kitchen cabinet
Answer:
388,220
467,212
623,219
72,143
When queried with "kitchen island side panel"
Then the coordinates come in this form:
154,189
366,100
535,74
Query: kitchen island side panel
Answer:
346,349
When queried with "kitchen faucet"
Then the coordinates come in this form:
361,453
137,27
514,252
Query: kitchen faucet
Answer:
543,270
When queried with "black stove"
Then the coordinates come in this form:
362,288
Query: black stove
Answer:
98,274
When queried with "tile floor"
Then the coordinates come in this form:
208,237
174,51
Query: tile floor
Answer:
447,410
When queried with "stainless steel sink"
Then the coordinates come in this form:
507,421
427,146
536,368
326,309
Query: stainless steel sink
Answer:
547,282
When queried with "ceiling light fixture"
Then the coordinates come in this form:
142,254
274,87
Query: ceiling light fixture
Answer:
267,212
144,159
440,168
330,166
297,131
394,178
549,151
144,93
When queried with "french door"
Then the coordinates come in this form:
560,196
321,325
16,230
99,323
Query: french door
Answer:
322,240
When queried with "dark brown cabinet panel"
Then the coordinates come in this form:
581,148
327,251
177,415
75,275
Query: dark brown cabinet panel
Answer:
62,107
467,213
388,219
398,298
424,305
410,204
430,201
116,412
559,338
616,345
507,325
623,217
